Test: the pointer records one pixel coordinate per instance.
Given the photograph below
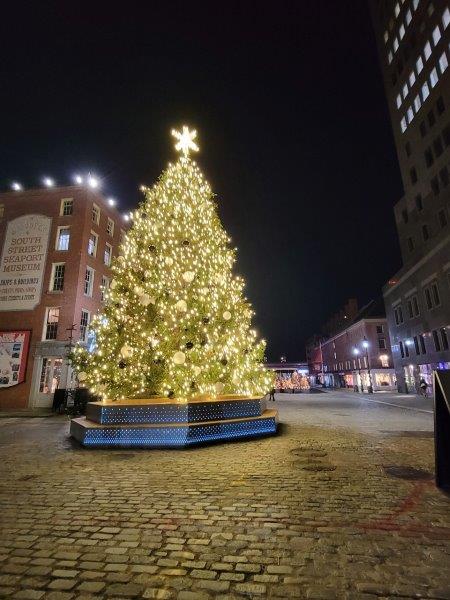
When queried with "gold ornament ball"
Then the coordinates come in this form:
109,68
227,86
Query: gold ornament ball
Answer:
197,370
179,358
188,276
181,306
126,351
82,376
219,387
227,315
144,299
113,284
169,261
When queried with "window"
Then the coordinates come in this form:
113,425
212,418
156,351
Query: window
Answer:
88,281
440,106
110,227
432,296
445,18
416,345
425,91
423,129
443,62
415,4
429,159
422,344
104,287
401,31
402,351
444,339
384,359
419,65
403,125
446,135
413,175
381,343
412,78
57,278
413,307
410,243
399,100
443,176
63,238
92,244
410,114
380,329
122,236
417,103
397,9
405,90
395,44
434,77
438,148
408,17
419,203
95,214
107,255
390,57
84,323
436,35
66,207
436,340
51,323
435,186
431,118
405,215
425,232
442,218
427,51
398,314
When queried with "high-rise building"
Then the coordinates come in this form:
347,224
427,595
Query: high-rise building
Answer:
57,246
413,41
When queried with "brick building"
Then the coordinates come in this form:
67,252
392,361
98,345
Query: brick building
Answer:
57,245
413,39
359,355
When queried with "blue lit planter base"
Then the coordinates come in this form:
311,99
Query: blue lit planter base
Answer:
152,423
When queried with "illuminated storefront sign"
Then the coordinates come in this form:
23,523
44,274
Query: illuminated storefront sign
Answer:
13,357
23,262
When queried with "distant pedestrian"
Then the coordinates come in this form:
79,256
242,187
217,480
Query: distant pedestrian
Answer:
424,387
272,395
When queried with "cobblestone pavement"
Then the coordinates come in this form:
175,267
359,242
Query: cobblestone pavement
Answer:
311,513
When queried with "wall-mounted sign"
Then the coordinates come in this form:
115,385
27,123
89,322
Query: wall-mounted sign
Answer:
23,262
13,357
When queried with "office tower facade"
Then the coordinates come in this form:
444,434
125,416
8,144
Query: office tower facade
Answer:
413,39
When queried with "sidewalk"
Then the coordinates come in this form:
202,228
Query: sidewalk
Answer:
407,401
26,413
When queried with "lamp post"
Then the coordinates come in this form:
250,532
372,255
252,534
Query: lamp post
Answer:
356,353
366,346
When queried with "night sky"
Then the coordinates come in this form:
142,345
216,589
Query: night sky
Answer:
293,128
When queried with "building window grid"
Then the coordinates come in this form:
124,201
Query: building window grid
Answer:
63,238
51,323
84,324
107,255
95,214
434,76
92,244
104,287
110,227
57,280
66,207
88,281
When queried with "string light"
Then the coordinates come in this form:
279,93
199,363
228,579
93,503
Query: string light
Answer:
176,322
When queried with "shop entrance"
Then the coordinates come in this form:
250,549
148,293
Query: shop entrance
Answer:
49,380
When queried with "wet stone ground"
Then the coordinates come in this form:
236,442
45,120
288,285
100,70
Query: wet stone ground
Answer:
342,504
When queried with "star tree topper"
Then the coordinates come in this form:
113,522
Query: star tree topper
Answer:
185,140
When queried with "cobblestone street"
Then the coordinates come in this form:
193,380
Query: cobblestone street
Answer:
323,510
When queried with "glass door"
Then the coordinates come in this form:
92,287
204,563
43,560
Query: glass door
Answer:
49,381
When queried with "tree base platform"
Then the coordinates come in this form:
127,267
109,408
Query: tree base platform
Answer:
165,423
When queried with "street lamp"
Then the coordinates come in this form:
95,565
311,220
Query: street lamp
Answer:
356,353
366,346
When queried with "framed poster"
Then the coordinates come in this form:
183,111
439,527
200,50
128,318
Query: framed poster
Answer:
14,347
22,263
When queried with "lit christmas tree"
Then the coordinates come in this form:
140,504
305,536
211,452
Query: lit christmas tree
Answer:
175,322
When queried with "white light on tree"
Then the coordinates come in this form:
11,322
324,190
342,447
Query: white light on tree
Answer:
177,321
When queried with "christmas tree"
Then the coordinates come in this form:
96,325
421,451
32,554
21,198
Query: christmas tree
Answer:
175,321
